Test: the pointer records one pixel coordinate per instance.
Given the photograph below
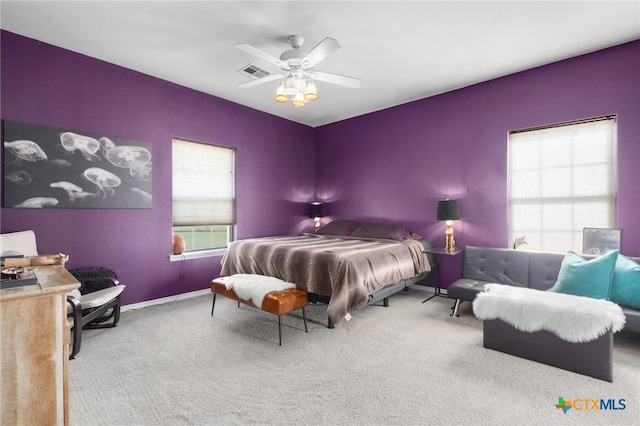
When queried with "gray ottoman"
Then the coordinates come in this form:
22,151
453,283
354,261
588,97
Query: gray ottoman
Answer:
593,358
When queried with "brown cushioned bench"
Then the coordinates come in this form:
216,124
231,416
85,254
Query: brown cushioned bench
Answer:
276,302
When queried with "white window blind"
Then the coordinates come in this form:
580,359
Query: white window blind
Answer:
561,180
203,184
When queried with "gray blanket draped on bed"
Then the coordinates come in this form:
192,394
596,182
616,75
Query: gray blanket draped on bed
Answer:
347,269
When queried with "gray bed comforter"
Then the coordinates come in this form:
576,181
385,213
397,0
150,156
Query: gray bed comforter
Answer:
346,269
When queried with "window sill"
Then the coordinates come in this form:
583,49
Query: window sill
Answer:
200,254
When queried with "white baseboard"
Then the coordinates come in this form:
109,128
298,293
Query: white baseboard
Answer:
164,300
202,292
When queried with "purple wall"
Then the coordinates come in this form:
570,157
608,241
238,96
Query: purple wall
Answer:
393,165
390,166
45,85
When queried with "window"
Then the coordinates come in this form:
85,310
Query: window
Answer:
561,180
203,194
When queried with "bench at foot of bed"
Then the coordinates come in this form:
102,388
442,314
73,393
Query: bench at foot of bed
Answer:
279,302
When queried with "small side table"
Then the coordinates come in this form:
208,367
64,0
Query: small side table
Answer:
438,252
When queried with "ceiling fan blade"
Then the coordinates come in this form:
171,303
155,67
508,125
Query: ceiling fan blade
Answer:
321,51
259,53
257,81
342,80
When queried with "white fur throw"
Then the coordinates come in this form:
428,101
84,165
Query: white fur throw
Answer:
254,287
571,318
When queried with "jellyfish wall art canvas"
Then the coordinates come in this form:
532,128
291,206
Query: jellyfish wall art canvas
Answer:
47,167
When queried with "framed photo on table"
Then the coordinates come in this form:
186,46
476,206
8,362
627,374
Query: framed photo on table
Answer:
597,241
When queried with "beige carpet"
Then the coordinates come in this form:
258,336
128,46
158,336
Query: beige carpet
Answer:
408,364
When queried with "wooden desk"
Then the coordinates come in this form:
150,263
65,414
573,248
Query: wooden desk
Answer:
34,332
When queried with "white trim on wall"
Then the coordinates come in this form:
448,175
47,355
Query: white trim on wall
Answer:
164,300
205,291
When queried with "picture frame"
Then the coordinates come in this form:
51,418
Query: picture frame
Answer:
48,167
598,241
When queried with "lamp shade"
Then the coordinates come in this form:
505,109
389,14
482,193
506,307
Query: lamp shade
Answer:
315,210
298,100
311,94
281,95
448,210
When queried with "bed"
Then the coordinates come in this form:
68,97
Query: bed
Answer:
346,268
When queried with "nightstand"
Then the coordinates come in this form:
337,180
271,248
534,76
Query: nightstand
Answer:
437,252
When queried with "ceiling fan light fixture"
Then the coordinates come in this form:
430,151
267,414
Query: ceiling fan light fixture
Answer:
296,84
311,94
281,96
298,100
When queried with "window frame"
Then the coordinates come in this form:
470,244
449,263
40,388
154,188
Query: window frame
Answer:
231,227
609,197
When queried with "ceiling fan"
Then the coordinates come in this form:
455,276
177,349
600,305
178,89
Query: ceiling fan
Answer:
297,73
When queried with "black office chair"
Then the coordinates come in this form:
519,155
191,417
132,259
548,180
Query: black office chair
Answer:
95,305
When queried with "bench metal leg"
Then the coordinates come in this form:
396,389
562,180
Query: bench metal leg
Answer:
454,309
304,318
213,305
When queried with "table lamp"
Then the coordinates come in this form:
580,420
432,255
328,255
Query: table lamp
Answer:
448,211
316,212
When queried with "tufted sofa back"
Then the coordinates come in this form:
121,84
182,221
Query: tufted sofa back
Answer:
532,269
496,265
544,269
537,270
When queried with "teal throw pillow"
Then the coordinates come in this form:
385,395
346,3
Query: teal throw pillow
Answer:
589,278
625,287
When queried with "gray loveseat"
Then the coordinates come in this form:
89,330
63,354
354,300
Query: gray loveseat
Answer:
538,270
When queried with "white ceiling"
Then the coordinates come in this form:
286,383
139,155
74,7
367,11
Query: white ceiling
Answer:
402,51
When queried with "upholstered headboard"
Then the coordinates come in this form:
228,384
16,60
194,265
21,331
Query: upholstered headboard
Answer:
354,228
